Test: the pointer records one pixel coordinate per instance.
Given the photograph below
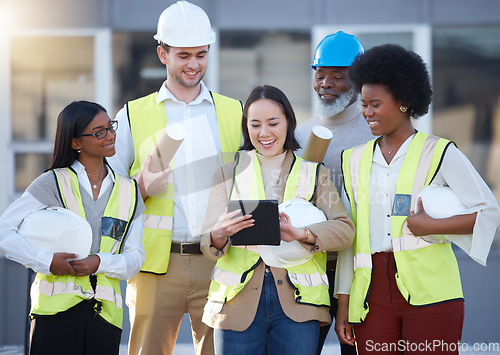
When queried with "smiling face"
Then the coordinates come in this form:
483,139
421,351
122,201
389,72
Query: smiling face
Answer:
267,127
334,89
91,146
381,110
186,67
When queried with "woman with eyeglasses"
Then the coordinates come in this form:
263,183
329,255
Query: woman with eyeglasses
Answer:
76,303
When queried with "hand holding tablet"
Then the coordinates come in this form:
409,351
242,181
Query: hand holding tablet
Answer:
266,229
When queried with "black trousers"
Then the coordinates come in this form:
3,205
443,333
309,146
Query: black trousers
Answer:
334,305
77,331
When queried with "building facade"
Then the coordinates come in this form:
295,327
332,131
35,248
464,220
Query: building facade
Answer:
55,51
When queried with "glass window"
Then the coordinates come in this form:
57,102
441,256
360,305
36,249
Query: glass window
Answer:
28,167
466,75
246,59
47,74
281,59
137,70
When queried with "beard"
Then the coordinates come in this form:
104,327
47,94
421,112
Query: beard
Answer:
327,109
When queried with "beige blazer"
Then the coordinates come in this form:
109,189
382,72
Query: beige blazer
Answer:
334,234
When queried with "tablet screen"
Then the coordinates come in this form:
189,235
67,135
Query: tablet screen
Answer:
266,229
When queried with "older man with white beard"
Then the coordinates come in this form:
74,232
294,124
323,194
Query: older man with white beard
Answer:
337,110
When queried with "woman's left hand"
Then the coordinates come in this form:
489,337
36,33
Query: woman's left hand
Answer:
86,266
288,232
419,222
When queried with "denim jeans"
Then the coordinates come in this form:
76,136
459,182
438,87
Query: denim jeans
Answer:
271,332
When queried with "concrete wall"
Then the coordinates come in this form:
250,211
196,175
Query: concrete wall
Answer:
481,285
240,14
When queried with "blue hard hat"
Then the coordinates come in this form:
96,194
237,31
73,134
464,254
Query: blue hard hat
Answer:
337,50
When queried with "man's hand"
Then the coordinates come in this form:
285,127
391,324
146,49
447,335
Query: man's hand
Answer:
150,183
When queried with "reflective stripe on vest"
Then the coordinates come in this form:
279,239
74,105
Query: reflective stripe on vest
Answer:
49,289
158,222
225,277
158,217
311,280
233,271
427,272
53,294
362,260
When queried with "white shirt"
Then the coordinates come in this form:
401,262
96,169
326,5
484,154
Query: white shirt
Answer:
194,163
458,173
14,247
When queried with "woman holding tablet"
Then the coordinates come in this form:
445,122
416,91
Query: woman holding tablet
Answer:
256,308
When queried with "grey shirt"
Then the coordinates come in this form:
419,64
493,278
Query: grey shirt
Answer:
349,129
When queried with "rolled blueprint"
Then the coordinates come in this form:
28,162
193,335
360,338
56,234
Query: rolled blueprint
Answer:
167,145
317,144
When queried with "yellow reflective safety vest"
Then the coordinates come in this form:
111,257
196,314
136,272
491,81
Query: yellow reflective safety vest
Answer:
147,122
233,271
53,294
426,272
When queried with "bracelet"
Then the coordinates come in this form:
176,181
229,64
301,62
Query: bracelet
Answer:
307,232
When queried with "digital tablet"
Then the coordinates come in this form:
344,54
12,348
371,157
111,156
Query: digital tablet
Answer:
266,229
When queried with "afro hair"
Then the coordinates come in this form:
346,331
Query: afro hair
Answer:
402,71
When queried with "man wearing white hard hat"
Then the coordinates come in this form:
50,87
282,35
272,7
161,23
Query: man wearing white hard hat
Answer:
337,110
175,278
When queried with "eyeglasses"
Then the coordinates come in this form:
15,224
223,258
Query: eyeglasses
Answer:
102,133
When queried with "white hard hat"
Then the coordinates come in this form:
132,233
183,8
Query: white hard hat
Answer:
184,25
440,201
57,230
287,254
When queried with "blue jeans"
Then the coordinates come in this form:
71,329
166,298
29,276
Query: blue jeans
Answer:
271,331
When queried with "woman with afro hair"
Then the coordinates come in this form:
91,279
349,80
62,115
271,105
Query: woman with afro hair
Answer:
399,286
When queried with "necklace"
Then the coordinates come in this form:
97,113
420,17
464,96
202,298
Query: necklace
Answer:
389,151
94,185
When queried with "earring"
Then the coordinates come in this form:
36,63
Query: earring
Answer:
79,150
403,108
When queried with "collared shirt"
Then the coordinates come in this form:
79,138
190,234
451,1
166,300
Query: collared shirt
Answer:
14,247
382,187
457,172
193,164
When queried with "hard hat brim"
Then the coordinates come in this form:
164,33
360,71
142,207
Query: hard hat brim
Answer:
188,44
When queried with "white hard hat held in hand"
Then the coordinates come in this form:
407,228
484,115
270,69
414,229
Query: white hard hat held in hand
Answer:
440,202
57,230
302,213
184,25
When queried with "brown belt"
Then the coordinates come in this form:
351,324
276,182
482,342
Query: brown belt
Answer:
185,248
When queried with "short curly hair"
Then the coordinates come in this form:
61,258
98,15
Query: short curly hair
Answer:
402,71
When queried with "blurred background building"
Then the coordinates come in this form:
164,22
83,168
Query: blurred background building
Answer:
55,51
